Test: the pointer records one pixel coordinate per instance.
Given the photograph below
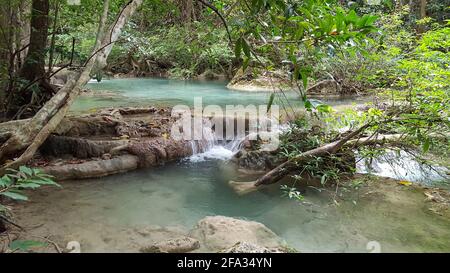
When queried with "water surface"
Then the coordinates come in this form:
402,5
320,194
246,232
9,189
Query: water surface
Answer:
182,193
165,92
100,212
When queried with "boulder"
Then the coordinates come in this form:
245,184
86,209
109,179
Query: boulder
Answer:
217,233
252,80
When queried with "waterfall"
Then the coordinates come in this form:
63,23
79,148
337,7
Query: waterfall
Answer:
212,147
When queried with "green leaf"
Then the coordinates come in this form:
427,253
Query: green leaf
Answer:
308,105
352,17
426,145
26,170
25,245
324,108
269,105
304,76
43,181
27,185
5,181
246,48
14,196
371,20
245,63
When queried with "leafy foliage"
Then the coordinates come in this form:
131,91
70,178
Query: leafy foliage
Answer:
12,185
24,245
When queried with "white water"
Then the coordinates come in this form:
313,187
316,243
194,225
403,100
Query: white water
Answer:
403,166
212,148
217,152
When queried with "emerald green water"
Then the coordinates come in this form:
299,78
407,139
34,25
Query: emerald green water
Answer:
104,214
164,92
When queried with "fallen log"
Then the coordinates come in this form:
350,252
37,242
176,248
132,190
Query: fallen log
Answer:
289,166
94,169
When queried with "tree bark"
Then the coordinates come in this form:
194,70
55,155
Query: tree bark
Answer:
115,30
33,68
53,39
186,11
34,65
31,136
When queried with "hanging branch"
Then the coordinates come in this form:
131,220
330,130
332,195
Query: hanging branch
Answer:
222,18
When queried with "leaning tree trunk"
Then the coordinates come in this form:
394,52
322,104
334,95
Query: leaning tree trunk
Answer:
349,142
289,166
30,137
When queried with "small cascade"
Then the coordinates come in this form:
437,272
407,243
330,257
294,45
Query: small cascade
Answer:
402,165
212,147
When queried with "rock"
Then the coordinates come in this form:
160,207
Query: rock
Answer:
106,156
209,75
252,80
177,245
79,147
244,247
216,233
256,160
158,151
62,76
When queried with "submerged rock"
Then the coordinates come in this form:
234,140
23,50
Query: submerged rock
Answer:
244,247
178,245
217,233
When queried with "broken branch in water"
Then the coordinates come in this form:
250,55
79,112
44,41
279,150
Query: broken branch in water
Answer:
289,166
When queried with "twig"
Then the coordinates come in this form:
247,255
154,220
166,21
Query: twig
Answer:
58,249
11,222
211,6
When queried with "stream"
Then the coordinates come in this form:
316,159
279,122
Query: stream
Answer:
164,92
104,214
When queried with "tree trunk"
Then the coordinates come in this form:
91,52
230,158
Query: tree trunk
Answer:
33,69
33,134
53,39
422,14
186,8
34,65
423,9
